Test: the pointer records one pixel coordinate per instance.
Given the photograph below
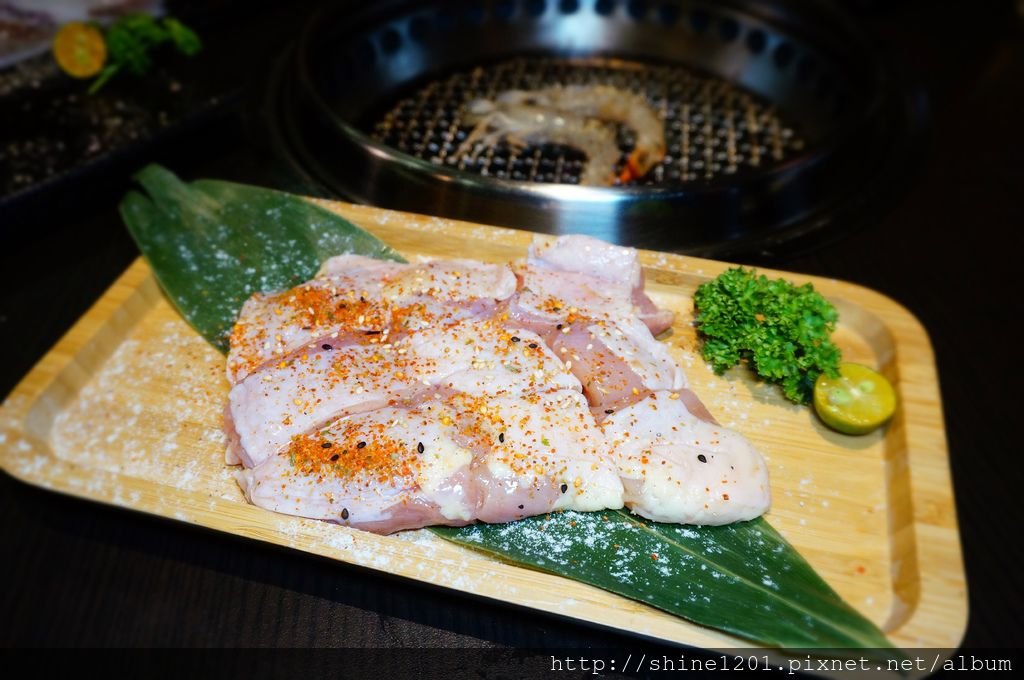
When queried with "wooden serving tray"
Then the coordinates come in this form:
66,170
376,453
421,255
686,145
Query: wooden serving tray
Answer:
126,409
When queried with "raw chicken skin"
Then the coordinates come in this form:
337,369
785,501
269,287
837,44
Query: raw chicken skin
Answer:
676,467
544,443
618,267
366,471
586,255
548,298
579,294
617,363
447,460
656,427
358,295
346,294
281,401
395,396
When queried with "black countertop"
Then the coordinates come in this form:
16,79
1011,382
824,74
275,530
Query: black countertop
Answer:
81,574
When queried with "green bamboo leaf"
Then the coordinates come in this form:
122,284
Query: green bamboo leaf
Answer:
213,244
742,578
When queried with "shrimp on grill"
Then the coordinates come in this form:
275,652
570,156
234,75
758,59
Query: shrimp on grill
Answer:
580,116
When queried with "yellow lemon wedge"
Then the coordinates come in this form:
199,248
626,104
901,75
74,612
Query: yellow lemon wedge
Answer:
79,49
858,401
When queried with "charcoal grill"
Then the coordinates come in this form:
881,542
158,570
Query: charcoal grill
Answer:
779,117
711,126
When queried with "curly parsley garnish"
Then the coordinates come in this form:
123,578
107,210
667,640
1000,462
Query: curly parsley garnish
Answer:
132,39
781,330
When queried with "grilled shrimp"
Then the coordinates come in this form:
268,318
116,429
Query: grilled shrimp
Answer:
580,116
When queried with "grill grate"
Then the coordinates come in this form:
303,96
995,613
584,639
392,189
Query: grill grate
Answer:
780,117
712,127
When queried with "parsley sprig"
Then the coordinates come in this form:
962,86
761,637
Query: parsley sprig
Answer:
781,330
132,39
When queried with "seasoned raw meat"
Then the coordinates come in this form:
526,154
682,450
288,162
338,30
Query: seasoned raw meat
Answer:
346,295
590,256
367,471
317,385
360,295
678,467
617,363
617,268
658,431
580,293
386,396
445,460
536,452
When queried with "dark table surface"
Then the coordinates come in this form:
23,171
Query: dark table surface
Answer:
80,574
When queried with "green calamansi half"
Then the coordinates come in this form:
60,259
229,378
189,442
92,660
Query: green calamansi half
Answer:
857,401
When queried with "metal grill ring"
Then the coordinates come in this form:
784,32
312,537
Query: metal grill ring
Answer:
776,112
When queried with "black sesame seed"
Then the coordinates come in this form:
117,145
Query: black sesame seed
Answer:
565,487
326,445
609,410
344,513
501,437
533,345
520,507
559,326
372,332
326,347
702,458
361,445
362,299
419,447
515,339
334,457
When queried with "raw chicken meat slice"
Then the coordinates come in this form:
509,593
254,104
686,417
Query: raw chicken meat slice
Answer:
536,453
580,295
617,267
678,467
450,281
658,430
549,299
590,256
367,471
273,326
608,381
447,460
445,395
269,407
656,319
359,265
312,387
631,341
617,363
354,295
